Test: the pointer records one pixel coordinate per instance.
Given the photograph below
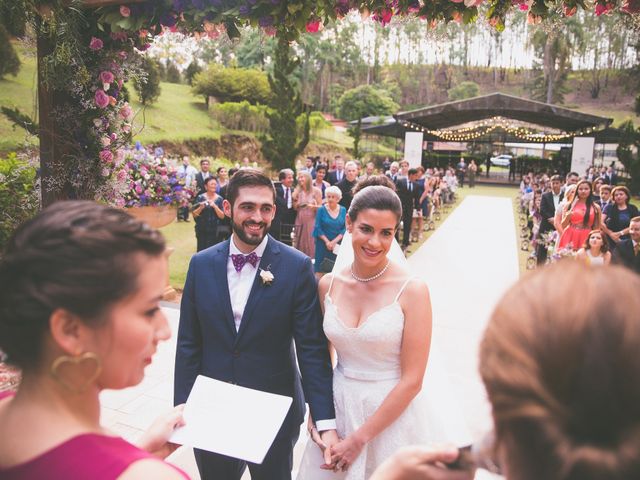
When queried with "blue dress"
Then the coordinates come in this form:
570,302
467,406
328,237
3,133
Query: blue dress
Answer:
329,227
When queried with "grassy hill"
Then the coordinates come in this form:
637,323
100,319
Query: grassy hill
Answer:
178,115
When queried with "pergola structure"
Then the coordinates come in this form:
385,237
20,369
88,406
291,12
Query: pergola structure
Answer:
493,117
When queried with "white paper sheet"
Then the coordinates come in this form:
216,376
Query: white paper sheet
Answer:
231,420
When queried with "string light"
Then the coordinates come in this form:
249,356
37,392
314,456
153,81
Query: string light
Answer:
487,126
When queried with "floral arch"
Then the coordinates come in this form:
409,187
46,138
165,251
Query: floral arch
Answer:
86,54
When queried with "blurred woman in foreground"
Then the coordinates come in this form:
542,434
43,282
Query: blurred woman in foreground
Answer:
79,291
561,381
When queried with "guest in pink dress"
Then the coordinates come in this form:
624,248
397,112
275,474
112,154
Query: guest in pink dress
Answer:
579,217
79,313
306,200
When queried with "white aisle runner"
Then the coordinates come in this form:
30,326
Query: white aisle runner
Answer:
468,263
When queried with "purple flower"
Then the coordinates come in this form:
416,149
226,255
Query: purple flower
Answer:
179,5
245,10
198,3
266,21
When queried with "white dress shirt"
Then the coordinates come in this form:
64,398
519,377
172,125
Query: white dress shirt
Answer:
288,194
240,283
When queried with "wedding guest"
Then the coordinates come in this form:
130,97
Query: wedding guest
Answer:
309,167
369,170
223,178
306,200
80,286
329,230
208,213
337,175
392,173
187,173
617,216
595,187
595,250
571,179
473,170
407,190
461,169
627,252
347,184
319,182
557,380
568,196
202,175
284,220
579,217
605,197
223,189
610,177
549,203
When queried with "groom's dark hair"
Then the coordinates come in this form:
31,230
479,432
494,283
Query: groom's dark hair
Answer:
248,177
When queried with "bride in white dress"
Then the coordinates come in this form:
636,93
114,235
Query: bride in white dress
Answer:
378,319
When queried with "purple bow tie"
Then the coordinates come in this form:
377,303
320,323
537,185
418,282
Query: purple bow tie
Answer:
239,260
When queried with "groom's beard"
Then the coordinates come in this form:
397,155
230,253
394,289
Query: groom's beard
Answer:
248,237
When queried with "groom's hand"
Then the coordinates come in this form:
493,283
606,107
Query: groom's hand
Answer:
329,438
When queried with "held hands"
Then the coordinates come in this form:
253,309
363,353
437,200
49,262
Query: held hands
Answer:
155,439
344,453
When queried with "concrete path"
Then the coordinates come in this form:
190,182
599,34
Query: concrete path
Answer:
468,263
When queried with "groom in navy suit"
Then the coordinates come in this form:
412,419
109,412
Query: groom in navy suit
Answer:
246,301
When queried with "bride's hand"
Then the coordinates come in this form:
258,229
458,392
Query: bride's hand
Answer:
345,452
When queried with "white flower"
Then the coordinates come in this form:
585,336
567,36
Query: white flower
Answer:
266,276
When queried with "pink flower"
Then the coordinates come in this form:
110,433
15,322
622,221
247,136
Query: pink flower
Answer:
313,26
113,101
106,172
105,141
269,31
106,156
122,175
523,7
96,44
126,128
102,99
113,137
122,55
125,11
138,188
126,112
106,77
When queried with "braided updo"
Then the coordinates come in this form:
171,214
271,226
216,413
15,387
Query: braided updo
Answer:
74,255
560,361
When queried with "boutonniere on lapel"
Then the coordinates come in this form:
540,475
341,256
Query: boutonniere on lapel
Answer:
266,276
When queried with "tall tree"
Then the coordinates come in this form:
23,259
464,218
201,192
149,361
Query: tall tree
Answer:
283,144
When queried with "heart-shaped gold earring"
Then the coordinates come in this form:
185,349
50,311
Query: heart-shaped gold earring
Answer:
80,360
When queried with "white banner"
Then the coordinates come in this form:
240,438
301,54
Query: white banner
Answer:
582,154
413,148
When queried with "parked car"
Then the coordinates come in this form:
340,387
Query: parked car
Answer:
503,160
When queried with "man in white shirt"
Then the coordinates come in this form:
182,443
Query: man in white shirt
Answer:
246,303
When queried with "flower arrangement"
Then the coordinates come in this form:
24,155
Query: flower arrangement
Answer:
149,181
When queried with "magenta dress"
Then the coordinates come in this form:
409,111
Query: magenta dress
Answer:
86,456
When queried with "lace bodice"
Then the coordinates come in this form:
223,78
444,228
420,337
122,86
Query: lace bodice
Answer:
370,351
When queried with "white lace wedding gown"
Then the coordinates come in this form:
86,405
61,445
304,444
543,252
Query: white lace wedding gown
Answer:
368,369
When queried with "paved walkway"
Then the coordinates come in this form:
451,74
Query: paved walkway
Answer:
468,263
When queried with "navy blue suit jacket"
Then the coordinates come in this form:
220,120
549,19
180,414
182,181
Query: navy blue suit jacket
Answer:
261,354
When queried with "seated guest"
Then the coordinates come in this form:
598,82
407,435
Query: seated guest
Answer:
80,286
595,250
627,252
557,374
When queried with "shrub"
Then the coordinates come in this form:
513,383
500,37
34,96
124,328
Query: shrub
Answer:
173,74
365,101
232,85
19,198
241,116
9,61
148,87
464,90
191,72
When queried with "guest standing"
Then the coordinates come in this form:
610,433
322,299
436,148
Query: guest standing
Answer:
579,217
223,179
337,175
306,200
329,227
187,173
549,203
347,184
407,190
473,170
208,212
319,182
618,215
202,175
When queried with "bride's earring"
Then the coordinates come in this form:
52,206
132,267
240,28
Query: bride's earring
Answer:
89,365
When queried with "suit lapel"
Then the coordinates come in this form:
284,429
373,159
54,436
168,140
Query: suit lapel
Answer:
222,283
269,261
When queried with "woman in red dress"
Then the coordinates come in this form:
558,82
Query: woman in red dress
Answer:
580,217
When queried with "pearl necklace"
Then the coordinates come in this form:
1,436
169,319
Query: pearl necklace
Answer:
369,279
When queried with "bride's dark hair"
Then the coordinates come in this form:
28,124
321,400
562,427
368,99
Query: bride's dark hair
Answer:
376,197
562,374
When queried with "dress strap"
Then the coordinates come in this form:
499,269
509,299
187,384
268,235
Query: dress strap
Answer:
402,288
333,277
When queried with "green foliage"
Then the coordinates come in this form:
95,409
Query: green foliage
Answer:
9,61
463,90
630,141
20,119
173,74
18,195
637,105
365,101
191,72
355,132
283,143
233,84
241,116
148,86
13,17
